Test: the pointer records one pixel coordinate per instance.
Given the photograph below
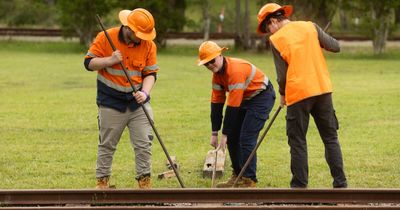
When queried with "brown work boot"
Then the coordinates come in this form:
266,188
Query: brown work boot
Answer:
103,182
246,183
228,183
144,182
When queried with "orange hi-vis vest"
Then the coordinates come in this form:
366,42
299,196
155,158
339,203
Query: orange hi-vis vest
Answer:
139,60
241,79
307,74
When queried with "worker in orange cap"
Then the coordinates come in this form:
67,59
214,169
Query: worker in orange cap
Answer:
118,105
305,87
250,100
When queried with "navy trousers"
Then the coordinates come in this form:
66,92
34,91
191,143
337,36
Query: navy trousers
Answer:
252,117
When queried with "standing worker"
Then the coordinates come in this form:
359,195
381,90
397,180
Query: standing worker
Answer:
305,87
251,98
118,105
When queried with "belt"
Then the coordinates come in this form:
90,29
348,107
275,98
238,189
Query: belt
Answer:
258,92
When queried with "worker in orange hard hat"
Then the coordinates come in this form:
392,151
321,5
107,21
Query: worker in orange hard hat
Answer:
118,105
305,88
250,100
269,10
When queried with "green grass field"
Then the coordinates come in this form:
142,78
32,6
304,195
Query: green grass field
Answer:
48,120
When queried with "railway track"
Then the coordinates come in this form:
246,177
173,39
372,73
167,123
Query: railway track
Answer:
201,199
30,32
172,35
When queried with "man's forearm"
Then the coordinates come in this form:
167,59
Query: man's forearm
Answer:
327,42
148,83
216,116
100,63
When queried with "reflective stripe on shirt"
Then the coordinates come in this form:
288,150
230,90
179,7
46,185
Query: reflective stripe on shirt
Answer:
251,77
216,87
119,72
115,86
248,80
236,86
151,68
91,54
263,87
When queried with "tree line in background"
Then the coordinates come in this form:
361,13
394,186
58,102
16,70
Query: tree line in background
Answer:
376,19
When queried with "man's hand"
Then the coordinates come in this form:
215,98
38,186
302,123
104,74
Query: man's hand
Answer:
98,63
116,57
283,101
222,144
140,96
214,141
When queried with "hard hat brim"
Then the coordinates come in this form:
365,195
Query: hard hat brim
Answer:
288,12
210,57
145,36
123,16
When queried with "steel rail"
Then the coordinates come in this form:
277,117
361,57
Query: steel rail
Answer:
228,195
183,207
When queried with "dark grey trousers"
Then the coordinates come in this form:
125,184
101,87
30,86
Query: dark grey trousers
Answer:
297,120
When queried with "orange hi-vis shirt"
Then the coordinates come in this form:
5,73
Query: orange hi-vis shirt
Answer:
241,79
307,74
139,60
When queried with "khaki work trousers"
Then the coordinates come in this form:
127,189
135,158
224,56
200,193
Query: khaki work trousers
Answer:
111,126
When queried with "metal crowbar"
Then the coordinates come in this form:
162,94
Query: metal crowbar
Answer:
214,171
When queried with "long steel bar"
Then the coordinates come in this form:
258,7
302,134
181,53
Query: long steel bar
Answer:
130,196
214,171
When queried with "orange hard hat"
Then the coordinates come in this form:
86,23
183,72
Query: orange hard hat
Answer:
269,9
139,21
209,50
123,16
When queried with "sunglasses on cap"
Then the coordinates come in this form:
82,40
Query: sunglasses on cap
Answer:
210,62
